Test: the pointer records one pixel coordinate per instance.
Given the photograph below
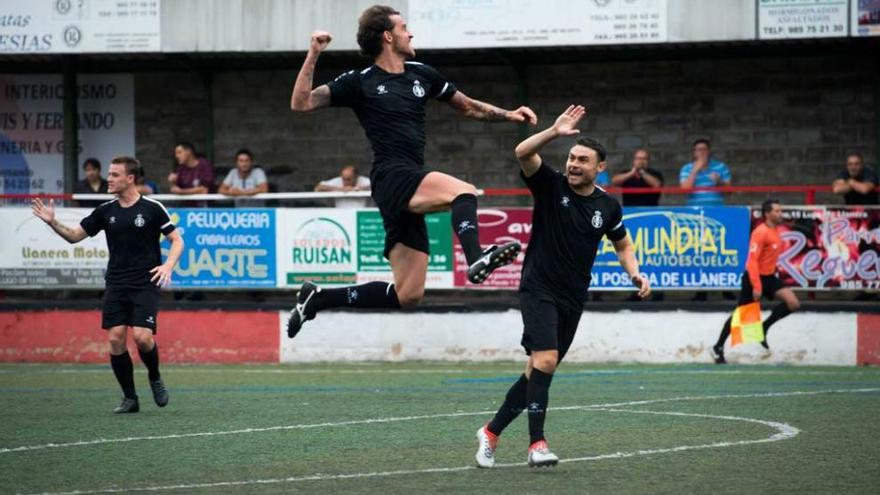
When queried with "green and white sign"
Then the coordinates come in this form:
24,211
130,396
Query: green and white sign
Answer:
317,244
371,242
342,247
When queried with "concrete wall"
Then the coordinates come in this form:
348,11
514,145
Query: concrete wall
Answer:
257,25
643,337
843,339
774,120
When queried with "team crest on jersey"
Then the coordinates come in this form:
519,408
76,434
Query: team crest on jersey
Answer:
380,89
565,201
597,219
418,90
139,220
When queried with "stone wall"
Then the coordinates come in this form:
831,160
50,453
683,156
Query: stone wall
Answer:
773,120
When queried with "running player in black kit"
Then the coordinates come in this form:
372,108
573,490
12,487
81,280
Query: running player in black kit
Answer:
135,272
570,217
389,99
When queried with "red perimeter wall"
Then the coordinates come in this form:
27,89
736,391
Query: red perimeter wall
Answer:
183,337
868,339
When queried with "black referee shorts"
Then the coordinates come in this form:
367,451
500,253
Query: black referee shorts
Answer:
392,188
548,325
769,285
134,307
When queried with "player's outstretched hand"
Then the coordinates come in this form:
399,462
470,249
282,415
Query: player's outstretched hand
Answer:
523,114
566,124
320,40
644,286
43,212
161,275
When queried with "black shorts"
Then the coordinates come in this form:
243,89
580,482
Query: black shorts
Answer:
134,307
769,285
392,188
548,323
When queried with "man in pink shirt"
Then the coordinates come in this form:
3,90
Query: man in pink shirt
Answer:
193,175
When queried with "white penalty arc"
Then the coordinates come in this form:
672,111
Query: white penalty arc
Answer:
245,431
783,431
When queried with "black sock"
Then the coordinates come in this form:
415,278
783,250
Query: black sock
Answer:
124,371
779,312
514,403
725,332
369,295
464,223
151,361
537,397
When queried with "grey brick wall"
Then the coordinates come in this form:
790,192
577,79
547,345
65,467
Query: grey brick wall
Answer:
169,107
773,120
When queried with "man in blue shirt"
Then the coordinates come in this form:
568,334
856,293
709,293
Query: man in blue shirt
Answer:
704,172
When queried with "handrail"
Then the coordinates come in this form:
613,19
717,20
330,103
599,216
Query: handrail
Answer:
809,192
678,190
197,197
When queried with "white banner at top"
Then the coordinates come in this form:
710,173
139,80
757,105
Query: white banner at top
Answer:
79,26
514,23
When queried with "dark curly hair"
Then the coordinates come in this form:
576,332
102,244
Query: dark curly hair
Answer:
593,145
371,25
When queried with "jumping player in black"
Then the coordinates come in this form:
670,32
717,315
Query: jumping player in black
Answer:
135,272
570,217
389,100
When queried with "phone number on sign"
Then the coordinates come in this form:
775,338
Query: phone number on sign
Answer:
860,284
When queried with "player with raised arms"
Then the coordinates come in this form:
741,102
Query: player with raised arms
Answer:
570,217
389,100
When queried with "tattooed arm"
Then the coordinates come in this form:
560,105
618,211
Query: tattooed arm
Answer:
47,214
304,98
476,109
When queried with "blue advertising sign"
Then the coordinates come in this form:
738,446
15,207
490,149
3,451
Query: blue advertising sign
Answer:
232,247
689,247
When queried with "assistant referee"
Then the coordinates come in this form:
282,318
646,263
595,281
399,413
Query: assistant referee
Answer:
133,225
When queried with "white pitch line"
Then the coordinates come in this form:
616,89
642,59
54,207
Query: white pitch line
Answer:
101,441
273,371
784,431
431,371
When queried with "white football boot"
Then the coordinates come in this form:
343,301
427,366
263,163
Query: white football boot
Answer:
540,455
486,442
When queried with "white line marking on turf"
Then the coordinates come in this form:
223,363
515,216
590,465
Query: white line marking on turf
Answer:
458,371
100,441
273,371
784,431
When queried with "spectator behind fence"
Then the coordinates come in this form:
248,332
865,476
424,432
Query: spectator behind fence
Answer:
92,184
603,179
245,180
348,180
858,183
145,186
704,171
193,175
640,175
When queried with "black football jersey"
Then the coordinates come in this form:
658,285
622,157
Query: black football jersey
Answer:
133,236
567,231
391,108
